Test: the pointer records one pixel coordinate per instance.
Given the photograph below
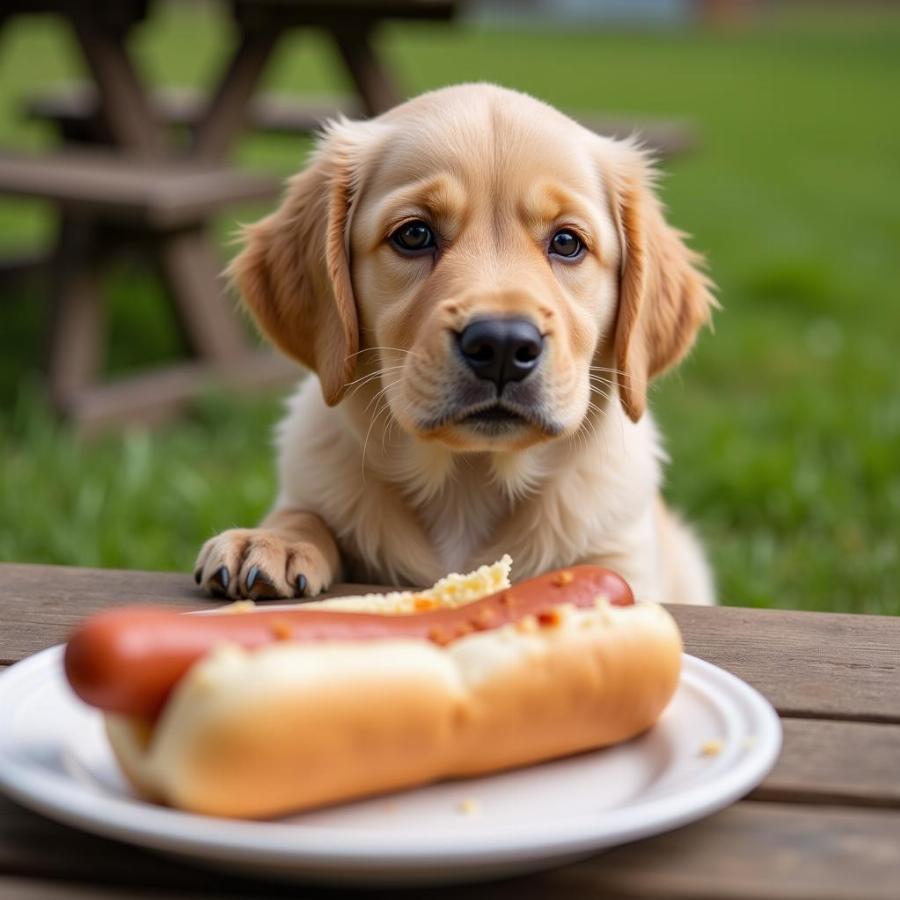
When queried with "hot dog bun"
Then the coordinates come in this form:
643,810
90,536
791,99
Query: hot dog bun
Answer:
289,727
129,660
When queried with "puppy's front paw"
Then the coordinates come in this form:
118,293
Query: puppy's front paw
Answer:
256,564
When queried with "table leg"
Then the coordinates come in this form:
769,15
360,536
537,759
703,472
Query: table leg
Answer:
191,268
373,81
75,339
227,110
126,106
187,259
21,268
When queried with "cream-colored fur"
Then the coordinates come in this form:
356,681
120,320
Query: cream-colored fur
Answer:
373,484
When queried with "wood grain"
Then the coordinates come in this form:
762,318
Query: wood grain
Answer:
151,396
839,763
44,889
814,665
73,108
152,194
749,851
39,605
752,850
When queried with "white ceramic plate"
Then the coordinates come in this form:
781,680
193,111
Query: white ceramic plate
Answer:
54,759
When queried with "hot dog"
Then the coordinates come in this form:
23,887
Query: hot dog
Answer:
262,713
128,660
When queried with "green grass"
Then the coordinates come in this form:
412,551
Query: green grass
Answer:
784,426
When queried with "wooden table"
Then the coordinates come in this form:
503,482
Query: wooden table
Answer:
186,256
824,824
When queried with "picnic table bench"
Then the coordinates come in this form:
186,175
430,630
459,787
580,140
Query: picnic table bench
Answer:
127,193
75,110
147,180
825,823
108,202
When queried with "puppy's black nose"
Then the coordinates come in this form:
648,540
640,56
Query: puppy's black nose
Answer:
501,350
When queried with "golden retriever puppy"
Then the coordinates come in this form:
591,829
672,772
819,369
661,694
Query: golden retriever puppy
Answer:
484,290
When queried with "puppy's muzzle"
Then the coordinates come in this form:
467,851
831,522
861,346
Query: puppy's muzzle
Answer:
501,350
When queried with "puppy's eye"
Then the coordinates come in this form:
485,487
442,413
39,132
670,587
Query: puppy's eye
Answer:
412,237
566,243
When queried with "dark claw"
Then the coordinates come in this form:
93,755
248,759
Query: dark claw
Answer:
252,575
219,582
302,584
198,575
262,588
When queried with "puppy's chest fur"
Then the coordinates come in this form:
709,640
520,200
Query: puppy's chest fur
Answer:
407,512
465,515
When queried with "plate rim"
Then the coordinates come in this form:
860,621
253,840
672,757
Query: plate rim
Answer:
183,834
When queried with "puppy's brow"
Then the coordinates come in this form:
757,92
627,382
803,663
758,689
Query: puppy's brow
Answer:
441,197
548,204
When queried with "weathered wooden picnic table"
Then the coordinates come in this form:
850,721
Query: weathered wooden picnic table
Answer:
118,195
824,824
115,196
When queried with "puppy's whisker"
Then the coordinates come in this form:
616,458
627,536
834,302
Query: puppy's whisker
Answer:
609,370
605,390
599,389
585,432
371,375
387,432
384,408
382,392
376,349
589,424
367,379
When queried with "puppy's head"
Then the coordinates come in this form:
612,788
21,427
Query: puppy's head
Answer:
494,265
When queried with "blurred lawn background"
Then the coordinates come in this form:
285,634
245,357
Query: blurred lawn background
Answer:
784,426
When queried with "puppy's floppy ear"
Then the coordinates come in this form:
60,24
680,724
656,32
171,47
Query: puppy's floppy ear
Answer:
664,296
293,273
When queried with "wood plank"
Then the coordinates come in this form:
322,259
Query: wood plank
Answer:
43,889
154,396
192,268
752,850
810,665
369,72
228,109
77,323
664,138
127,108
40,605
34,847
324,13
838,763
20,268
74,109
162,194
748,851
74,105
